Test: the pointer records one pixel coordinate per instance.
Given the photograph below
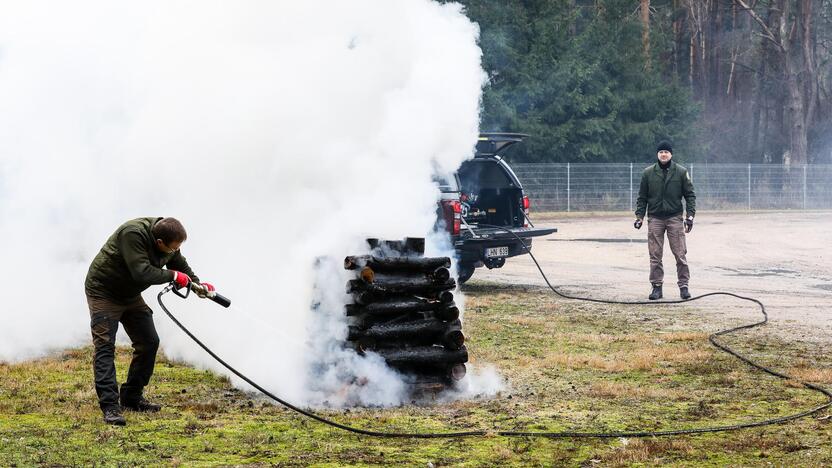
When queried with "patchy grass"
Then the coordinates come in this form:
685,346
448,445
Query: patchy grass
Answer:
570,366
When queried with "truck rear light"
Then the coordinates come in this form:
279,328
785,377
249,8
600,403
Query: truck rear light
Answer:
452,211
526,204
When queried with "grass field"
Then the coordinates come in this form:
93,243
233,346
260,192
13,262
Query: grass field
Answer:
570,366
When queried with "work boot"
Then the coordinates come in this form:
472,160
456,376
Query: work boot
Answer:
656,293
684,293
113,416
141,405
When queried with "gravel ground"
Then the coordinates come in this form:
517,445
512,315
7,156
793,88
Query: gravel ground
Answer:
780,258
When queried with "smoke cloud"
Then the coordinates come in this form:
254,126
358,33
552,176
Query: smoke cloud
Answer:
277,132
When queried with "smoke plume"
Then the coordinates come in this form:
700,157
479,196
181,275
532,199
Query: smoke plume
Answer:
277,132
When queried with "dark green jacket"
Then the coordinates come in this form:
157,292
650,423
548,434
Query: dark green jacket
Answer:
130,262
661,194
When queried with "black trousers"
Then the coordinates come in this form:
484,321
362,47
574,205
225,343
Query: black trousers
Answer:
137,318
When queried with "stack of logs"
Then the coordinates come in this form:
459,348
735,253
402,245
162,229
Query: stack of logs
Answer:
404,310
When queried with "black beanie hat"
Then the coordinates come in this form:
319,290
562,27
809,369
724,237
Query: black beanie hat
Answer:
664,145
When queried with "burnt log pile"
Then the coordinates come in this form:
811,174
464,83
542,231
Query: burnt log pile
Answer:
404,311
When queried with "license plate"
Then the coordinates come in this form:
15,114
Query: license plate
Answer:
492,252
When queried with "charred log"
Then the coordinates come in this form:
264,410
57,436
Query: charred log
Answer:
448,313
434,375
415,332
446,297
365,321
367,275
420,287
423,355
364,298
408,246
414,246
385,310
439,275
457,372
393,307
397,264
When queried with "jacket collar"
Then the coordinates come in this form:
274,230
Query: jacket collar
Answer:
670,170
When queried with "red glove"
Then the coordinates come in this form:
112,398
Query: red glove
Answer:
181,279
205,290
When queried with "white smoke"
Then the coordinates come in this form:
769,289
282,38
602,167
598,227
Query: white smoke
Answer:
277,132
479,382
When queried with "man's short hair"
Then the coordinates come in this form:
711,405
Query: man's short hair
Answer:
169,230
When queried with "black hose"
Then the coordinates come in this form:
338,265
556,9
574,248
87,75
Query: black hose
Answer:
302,411
561,434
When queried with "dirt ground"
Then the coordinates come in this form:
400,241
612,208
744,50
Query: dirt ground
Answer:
781,258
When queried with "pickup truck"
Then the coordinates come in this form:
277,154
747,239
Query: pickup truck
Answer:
481,202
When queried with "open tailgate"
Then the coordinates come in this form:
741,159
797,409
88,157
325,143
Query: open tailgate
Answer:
492,234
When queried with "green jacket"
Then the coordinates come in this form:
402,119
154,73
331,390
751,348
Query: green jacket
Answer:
130,262
661,194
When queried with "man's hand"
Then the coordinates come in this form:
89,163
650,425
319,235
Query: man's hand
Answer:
181,279
689,224
638,223
204,290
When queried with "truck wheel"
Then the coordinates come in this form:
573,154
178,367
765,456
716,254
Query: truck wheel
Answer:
465,272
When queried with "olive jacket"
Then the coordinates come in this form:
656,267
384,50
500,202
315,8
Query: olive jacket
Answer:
661,192
129,262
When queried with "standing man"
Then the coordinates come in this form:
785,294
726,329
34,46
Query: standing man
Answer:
129,262
663,185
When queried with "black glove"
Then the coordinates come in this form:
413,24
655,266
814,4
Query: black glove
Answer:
638,223
689,224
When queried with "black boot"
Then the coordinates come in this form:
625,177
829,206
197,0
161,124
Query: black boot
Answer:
113,416
684,293
656,293
141,405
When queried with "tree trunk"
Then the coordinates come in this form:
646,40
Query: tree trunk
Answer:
677,39
798,140
645,32
810,72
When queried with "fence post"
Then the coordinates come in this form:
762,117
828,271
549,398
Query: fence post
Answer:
749,187
804,187
631,186
568,189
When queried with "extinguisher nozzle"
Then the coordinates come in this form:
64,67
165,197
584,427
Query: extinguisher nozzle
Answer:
221,300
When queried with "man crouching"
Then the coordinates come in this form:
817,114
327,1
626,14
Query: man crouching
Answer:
129,262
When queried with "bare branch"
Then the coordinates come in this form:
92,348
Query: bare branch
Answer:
792,31
748,68
768,34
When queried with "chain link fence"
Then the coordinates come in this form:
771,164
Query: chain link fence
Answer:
614,187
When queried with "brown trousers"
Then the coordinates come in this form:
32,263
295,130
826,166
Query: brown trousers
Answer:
137,318
675,229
